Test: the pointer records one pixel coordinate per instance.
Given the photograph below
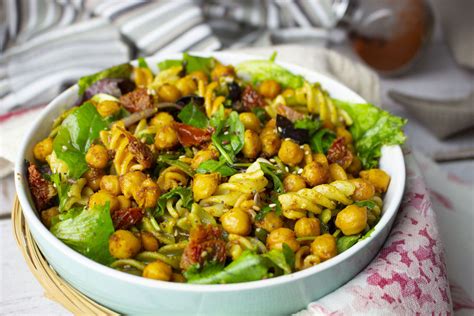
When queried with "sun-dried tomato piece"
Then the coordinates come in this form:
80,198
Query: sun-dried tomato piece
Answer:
137,100
289,113
141,152
339,153
41,189
192,136
206,244
251,98
127,217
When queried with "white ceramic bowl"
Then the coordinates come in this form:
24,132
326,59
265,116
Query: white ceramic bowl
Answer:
130,294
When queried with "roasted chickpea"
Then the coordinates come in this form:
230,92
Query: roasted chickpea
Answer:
168,93
352,219
336,172
149,242
199,76
204,155
186,86
235,251
252,144
290,153
293,183
324,246
321,159
107,108
166,137
111,184
162,119
355,166
143,76
270,222
158,270
123,244
315,173
269,88
47,215
379,178
250,121
147,194
342,132
280,236
222,71
43,149
307,227
124,202
93,177
97,157
271,142
178,278
236,222
364,189
131,182
101,198
204,185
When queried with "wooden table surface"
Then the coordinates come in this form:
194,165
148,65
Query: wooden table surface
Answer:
435,76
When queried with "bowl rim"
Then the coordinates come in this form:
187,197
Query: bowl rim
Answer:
34,221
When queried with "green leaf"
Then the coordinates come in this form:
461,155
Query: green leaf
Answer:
372,129
192,115
196,63
367,203
228,137
260,113
120,71
278,260
87,232
142,63
345,242
263,212
368,233
269,171
168,63
309,124
289,255
62,187
216,166
261,70
322,140
183,193
177,163
75,135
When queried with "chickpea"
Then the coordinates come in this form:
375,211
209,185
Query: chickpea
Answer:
355,166
97,157
111,184
131,182
250,121
101,198
123,244
271,142
147,194
307,227
143,76
168,93
47,215
166,137
149,242
269,89
204,185
364,189
43,149
199,76
270,222
222,71
352,219
290,153
379,178
252,144
235,251
336,172
324,246
162,119
288,93
293,183
343,132
158,270
107,108
124,202
315,173
280,236
186,85
93,177
204,155
178,278
236,222
321,159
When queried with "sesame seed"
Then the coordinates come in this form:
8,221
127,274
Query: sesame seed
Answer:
279,129
278,171
287,139
302,146
255,207
287,169
300,171
182,156
272,205
226,133
64,148
272,160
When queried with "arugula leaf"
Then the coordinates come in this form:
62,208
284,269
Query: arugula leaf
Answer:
123,71
269,171
179,192
216,166
168,63
75,135
87,232
367,203
142,63
289,255
345,242
261,70
192,115
228,137
372,129
277,259
177,163
260,113
322,140
308,123
196,63
368,233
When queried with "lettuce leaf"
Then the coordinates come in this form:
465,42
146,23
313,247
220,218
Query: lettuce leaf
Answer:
87,232
345,242
372,129
193,63
75,135
123,71
260,70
